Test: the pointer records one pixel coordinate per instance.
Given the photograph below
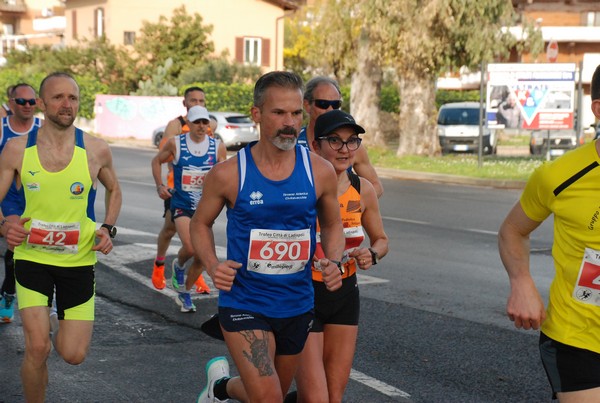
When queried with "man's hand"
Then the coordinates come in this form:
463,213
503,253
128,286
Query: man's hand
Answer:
104,244
223,274
164,192
332,277
15,232
525,306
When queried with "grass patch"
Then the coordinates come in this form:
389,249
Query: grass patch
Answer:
493,167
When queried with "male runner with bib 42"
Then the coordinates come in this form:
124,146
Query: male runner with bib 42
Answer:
59,168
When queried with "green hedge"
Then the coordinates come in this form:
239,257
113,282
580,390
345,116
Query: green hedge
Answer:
219,96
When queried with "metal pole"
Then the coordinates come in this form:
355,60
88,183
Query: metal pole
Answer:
579,106
481,117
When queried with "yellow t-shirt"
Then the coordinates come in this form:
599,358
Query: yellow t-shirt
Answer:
569,188
61,207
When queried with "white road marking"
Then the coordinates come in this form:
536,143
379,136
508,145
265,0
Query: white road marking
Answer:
428,224
376,384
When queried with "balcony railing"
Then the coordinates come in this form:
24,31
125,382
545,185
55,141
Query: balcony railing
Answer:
13,6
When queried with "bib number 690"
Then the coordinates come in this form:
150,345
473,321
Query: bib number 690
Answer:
283,250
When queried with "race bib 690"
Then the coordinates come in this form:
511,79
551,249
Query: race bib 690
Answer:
278,251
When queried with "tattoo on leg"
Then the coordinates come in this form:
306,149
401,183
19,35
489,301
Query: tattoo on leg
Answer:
259,352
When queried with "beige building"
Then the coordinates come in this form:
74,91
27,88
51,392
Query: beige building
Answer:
34,22
251,31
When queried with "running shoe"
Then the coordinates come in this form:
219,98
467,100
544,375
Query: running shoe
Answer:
216,369
185,300
177,279
158,276
7,307
201,286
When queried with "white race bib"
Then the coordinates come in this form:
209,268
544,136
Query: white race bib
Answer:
192,180
278,251
587,287
54,237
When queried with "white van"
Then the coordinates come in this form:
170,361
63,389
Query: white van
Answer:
458,129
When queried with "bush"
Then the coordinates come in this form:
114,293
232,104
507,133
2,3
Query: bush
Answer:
226,96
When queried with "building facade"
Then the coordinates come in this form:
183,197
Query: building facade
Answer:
250,31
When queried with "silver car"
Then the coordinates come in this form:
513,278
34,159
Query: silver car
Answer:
234,129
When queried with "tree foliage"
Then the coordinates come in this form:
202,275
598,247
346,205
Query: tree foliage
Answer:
157,84
323,39
219,70
183,38
111,65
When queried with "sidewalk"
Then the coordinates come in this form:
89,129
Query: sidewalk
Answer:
393,173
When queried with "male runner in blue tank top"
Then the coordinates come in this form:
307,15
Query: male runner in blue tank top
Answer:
274,190
22,100
193,154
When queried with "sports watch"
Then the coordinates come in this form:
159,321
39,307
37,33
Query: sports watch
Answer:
374,256
112,230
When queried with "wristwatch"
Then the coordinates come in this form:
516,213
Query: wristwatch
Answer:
112,230
374,256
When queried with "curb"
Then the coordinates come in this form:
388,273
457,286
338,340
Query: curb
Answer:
448,179
385,172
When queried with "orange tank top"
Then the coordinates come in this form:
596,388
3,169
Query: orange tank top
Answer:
351,213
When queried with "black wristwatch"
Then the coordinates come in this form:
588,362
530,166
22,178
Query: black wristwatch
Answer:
374,256
112,230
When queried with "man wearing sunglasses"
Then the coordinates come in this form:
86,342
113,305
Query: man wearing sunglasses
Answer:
322,94
22,100
192,96
192,154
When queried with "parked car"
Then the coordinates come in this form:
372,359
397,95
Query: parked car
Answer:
157,135
560,141
458,129
234,129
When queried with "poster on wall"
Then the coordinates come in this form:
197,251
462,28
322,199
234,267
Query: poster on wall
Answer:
530,96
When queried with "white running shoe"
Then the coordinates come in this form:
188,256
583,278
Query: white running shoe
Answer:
216,369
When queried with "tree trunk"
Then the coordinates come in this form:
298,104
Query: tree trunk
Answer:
418,134
365,93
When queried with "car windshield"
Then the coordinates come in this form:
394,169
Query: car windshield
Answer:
459,116
238,119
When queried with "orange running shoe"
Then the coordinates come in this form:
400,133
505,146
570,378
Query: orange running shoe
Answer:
201,286
158,276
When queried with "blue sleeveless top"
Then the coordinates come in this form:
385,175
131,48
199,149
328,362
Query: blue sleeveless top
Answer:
271,231
189,171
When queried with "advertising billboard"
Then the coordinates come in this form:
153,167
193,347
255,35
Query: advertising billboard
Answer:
531,96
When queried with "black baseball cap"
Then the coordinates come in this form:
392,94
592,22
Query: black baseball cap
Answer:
329,121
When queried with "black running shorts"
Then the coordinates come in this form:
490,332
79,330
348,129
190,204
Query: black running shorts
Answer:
568,368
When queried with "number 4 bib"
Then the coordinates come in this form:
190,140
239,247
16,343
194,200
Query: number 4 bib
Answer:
587,288
278,251
54,237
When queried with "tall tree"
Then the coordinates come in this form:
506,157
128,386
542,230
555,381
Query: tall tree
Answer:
420,39
365,94
183,38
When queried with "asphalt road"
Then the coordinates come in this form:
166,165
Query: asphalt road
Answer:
432,327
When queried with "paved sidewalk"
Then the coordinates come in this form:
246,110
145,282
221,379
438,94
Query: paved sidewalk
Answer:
394,173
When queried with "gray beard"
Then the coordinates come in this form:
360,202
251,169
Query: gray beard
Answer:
284,144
